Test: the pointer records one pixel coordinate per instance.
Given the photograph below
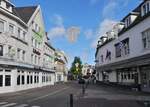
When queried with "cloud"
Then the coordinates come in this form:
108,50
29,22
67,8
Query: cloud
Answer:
56,32
89,33
104,26
109,9
57,20
73,33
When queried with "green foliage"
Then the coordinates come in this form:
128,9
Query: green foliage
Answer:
76,67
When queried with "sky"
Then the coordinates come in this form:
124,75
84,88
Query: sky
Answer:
75,26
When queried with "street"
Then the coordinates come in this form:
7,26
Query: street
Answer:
58,96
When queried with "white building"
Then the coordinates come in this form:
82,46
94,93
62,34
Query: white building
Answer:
61,62
123,55
26,58
87,69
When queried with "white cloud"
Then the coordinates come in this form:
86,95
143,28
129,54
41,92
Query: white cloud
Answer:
89,33
104,26
109,9
72,33
57,20
56,32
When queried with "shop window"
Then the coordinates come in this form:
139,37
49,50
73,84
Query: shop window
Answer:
37,79
7,70
49,78
125,76
1,80
28,81
7,80
23,80
46,78
132,76
129,76
1,50
18,80
1,70
31,79
34,79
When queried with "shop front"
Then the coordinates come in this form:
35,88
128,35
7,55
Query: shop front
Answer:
145,78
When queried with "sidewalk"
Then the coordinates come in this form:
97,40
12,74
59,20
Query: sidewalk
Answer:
100,96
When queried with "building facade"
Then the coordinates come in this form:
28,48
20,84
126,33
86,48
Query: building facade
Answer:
123,53
26,57
61,66
87,69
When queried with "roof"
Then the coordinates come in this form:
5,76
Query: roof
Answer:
136,11
24,13
49,45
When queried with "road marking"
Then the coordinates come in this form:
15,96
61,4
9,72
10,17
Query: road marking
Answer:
3,103
22,105
8,105
41,97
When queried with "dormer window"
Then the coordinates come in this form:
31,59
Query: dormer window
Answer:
128,21
145,8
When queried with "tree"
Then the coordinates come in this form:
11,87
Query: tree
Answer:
76,68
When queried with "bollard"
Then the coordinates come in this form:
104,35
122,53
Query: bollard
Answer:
71,100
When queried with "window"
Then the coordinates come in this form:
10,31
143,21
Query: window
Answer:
35,60
118,50
33,42
23,55
145,8
31,79
9,49
7,70
18,80
31,58
23,79
1,80
1,50
24,36
146,39
7,80
8,6
37,79
19,32
28,81
11,29
18,53
122,48
39,60
102,58
34,79
1,26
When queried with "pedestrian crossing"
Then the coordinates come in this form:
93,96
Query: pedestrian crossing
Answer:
7,104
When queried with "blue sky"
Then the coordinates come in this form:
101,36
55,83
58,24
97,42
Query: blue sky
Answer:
89,18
